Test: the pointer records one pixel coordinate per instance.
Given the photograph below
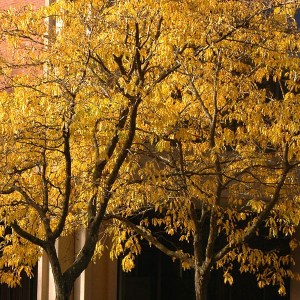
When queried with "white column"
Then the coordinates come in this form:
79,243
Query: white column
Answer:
99,280
65,251
79,286
43,278
49,2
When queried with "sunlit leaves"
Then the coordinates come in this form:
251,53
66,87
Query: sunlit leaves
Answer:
216,136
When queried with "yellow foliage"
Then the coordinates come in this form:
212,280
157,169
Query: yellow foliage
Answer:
187,109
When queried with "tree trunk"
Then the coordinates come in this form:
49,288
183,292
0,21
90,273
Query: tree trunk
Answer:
202,267
61,293
63,285
62,288
201,284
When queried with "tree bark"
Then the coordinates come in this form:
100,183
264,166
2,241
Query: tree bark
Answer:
201,284
63,285
62,291
201,263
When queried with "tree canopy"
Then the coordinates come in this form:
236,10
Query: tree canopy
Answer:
112,109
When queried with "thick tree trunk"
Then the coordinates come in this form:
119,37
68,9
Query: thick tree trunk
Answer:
63,285
201,284
62,292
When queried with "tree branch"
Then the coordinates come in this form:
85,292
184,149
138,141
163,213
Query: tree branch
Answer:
146,234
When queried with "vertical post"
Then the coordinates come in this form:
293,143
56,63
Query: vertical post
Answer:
79,285
43,278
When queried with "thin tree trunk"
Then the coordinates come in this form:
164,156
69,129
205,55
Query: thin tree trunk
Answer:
201,265
201,284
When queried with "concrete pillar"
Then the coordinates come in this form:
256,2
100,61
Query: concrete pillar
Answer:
99,280
43,278
49,2
66,254
79,286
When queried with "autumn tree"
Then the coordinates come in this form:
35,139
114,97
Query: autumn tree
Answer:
74,76
217,160
111,109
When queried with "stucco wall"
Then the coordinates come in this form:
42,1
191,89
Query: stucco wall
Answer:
17,3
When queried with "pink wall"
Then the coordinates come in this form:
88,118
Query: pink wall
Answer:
17,3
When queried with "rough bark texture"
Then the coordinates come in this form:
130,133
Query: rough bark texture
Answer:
201,284
201,267
62,293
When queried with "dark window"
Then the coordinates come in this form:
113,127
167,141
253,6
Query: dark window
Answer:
157,277
27,290
244,287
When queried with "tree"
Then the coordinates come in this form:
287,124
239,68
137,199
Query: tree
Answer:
71,97
129,106
221,161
